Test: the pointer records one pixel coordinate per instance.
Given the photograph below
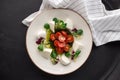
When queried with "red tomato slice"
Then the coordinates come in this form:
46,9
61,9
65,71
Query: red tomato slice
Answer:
61,44
56,43
69,39
59,50
67,48
58,34
52,37
64,33
61,38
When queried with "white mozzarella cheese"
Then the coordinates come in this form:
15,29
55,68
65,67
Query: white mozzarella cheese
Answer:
77,45
69,24
41,33
46,53
64,60
51,23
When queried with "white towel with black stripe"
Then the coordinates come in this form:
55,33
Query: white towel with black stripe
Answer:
104,24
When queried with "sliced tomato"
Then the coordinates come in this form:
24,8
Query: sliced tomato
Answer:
61,38
64,33
52,37
69,39
58,34
59,50
61,44
56,43
67,48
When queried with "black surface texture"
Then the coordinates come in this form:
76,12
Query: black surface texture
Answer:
15,64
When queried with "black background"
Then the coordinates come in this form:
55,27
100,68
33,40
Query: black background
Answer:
15,64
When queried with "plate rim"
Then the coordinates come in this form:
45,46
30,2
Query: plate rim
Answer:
45,70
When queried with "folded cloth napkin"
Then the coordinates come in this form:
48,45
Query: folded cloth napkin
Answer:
104,24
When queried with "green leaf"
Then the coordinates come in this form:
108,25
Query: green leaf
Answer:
77,54
59,24
74,34
55,19
53,54
64,25
46,26
80,32
67,54
40,47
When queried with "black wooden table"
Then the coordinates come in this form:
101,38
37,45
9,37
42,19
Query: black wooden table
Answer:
15,64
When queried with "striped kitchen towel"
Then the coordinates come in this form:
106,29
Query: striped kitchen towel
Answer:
104,24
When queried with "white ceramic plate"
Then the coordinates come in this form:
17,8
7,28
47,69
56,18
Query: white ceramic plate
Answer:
45,64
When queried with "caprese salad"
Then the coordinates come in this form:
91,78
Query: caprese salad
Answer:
58,41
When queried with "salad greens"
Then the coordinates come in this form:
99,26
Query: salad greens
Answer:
76,54
80,32
59,24
77,33
54,54
60,42
40,47
46,26
67,54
